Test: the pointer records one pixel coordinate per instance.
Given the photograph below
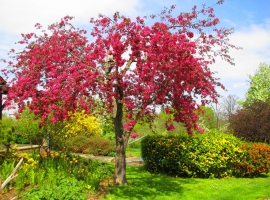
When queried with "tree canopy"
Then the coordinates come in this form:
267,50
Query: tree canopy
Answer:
252,122
129,66
259,85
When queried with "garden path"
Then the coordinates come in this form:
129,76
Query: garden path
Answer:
130,160
133,161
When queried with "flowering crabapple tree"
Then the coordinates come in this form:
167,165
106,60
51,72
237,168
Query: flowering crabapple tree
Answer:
131,68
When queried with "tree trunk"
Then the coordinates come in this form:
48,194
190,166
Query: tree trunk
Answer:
120,163
121,142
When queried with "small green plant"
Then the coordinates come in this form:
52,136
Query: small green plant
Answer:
27,128
49,169
68,188
112,154
7,133
5,170
20,181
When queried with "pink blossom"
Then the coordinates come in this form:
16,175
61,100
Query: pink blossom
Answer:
134,135
163,66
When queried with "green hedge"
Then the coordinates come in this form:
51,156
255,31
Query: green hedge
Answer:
208,155
163,154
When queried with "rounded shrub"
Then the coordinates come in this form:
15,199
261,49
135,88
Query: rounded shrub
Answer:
100,146
212,155
77,144
164,154
95,145
255,161
203,155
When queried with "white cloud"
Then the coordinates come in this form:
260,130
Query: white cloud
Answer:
238,85
255,41
254,37
231,23
18,16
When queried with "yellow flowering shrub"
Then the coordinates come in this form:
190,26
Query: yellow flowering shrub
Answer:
206,155
213,155
81,123
29,161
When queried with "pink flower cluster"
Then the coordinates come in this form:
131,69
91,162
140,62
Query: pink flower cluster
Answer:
166,64
134,135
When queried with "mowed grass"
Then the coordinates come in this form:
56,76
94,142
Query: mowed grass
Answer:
144,185
134,151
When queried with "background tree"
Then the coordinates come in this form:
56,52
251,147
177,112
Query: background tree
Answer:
252,122
130,66
7,132
229,106
223,110
207,118
27,126
160,123
259,85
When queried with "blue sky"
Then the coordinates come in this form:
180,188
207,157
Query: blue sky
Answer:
249,18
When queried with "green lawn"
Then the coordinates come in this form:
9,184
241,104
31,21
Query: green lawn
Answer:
143,185
134,151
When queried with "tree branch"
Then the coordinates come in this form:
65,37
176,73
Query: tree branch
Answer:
12,175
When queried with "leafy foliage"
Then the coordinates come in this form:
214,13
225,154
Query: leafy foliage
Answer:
77,144
95,145
28,126
50,172
213,155
100,146
7,132
257,159
208,155
252,122
65,188
207,118
107,127
161,123
259,85
163,154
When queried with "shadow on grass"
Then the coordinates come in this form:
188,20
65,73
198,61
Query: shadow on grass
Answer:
143,185
262,176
